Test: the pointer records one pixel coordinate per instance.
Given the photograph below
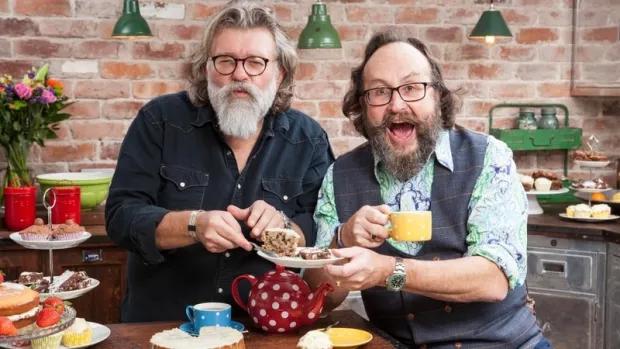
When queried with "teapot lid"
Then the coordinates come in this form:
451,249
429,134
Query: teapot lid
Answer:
281,275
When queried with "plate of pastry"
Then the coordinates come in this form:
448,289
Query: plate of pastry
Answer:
589,214
40,237
68,285
542,183
588,158
590,186
82,334
280,246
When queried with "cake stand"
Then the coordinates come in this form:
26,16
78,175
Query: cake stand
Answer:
66,320
534,207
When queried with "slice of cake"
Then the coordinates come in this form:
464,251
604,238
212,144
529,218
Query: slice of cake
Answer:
69,281
282,242
209,338
315,340
600,211
19,304
582,211
527,182
28,278
314,253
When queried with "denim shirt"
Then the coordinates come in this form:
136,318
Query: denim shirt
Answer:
174,158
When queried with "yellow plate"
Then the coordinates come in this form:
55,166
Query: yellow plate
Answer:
348,337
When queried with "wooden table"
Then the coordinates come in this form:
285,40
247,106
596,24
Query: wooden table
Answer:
134,336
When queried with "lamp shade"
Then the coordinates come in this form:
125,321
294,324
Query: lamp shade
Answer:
319,32
491,25
131,25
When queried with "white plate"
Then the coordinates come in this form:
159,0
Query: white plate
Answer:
595,164
586,190
69,294
550,192
50,244
590,220
100,333
298,262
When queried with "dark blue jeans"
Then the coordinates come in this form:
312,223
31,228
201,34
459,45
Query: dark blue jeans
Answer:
543,344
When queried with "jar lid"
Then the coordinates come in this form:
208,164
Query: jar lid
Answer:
548,110
66,190
526,110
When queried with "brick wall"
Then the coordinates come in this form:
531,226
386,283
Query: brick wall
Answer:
111,79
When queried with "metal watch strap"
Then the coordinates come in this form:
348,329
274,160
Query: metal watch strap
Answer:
287,221
399,275
399,267
191,225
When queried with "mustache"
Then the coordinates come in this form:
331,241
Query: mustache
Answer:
391,118
248,87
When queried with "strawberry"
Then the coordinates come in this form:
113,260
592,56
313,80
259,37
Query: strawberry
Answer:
56,304
1,277
47,317
6,327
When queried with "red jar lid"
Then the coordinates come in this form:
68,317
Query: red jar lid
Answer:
63,191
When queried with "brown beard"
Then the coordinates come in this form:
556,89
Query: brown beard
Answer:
404,166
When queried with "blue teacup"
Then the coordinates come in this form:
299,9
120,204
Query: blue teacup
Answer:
208,314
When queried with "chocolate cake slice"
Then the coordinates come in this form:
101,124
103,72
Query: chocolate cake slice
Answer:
314,253
28,278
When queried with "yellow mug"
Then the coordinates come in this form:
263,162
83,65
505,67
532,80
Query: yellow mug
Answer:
411,225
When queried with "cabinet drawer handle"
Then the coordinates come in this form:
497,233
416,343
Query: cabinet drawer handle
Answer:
554,268
92,256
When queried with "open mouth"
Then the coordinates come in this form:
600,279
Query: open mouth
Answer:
240,92
401,131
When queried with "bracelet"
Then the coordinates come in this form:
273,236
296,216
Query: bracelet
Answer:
191,225
339,237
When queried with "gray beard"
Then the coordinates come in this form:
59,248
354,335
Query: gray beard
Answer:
239,118
405,166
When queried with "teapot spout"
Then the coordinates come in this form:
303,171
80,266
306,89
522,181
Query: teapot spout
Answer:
315,304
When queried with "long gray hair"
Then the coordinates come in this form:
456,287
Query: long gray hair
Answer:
245,14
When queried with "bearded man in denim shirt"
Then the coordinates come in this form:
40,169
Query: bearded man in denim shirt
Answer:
202,173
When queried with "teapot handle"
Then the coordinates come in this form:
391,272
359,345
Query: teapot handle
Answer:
235,290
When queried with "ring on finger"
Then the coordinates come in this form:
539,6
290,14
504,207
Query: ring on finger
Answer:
338,283
373,236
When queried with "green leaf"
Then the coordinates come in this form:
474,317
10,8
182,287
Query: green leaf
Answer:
58,117
16,126
17,105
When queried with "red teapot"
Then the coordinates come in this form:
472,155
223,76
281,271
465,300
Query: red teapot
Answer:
280,301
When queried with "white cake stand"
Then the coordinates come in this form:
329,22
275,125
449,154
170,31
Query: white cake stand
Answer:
532,203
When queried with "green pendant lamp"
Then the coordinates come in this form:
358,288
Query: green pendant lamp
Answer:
131,25
319,32
490,26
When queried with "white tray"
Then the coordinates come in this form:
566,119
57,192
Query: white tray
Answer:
49,244
298,262
592,164
590,220
100,333
587,190
67,295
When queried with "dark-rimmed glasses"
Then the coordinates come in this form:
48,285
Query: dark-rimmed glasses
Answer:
252,65
409,92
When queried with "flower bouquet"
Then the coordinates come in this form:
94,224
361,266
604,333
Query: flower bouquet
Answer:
29,113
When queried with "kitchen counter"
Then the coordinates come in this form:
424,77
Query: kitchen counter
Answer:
134,336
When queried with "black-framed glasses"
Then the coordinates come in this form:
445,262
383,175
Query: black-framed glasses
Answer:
252,65
409,92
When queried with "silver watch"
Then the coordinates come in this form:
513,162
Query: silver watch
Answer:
191,225
397,280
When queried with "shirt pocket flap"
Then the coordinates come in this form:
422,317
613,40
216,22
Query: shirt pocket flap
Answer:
284,189
184,178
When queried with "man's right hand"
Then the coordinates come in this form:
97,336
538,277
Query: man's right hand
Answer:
219,231
366,228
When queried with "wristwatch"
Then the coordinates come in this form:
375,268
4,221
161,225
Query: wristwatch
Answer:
397,280
191,225
287,221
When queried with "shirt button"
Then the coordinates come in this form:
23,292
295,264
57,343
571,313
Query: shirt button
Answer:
182,184
219,290
285,197
410,316
447,308
238,186
227,254
229,153
458,345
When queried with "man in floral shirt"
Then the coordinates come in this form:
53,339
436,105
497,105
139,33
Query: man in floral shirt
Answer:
464,287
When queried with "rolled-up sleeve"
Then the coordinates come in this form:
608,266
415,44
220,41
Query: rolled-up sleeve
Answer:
131,211
322,158
497,224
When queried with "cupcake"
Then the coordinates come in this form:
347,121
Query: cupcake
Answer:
527,182
542,184
582,211
315,340
616,197
68,231
37,232
79,334
600,211
570,211
49,342
556,184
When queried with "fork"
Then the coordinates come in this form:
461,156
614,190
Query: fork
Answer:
330,326
269,253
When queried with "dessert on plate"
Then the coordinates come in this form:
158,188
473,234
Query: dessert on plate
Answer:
19,304
68,231
37,232
616,197
314,253
590,184
542,184
67,281
79,334
582,211
570,211
209,338
315,340
527,182
541,181
600,211
587,155
282,242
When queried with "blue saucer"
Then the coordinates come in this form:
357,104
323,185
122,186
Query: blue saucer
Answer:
189,327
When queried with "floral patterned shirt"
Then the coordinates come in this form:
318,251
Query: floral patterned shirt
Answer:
497,223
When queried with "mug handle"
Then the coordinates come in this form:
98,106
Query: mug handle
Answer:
189,311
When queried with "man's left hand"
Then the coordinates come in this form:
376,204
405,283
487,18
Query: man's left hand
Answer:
364,269
258,217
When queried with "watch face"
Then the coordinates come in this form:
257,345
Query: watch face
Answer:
396,282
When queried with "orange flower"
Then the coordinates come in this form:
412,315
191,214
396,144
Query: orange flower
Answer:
54,83
1,89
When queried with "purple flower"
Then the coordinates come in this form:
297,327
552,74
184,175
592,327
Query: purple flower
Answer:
23,91
31,75
47,97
